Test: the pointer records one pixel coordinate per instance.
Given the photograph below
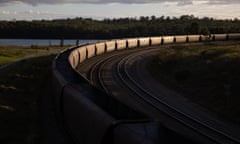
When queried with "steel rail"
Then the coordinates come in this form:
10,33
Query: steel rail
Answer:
97,70
224,138
218,136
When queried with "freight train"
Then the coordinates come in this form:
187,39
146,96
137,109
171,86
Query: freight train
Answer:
88,120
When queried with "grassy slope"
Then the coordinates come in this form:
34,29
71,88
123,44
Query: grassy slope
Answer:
19,91
20,88
12,53
208,74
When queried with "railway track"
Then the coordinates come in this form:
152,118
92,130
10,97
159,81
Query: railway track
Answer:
88,120
208,131
95,73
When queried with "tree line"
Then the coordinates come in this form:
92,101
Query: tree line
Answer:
87,28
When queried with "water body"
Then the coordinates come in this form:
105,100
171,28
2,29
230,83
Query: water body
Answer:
41,42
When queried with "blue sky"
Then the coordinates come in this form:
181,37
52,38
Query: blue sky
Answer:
99,9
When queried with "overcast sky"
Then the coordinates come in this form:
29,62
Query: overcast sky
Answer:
99,9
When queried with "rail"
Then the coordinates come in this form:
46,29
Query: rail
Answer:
81,107
187,120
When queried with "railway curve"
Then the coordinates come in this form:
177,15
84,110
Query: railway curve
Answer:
90,112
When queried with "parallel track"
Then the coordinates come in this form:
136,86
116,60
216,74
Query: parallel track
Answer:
95,70
189,121
204,129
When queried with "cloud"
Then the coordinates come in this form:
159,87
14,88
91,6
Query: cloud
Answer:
223,2
185,2
7,12
32,14
179,2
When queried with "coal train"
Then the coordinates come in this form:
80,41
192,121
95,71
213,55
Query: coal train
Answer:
88,120
87,51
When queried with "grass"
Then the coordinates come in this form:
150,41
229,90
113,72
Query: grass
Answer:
20,89
208,74
21,86
13,53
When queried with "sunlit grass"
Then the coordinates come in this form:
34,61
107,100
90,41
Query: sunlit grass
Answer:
7,87
13,53
8,108
208,74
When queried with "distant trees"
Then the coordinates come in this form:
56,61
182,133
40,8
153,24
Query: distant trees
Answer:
204,31
82,28
194,28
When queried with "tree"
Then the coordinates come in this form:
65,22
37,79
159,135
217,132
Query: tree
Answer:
205,31
194,28
153,18
82,28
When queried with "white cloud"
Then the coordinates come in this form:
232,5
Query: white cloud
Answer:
46,9
7,12
179,2
32,14
185,2
223,2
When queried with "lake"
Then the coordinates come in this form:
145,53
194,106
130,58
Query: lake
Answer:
41,42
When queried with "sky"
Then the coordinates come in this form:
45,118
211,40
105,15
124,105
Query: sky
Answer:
100,9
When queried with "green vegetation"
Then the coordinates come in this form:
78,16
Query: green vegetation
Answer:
207,74
80,28
20,89
13,53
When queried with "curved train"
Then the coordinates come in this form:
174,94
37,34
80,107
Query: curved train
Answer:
88,120
87,51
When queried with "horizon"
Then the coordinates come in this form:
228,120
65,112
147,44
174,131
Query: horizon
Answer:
106,18
109,9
